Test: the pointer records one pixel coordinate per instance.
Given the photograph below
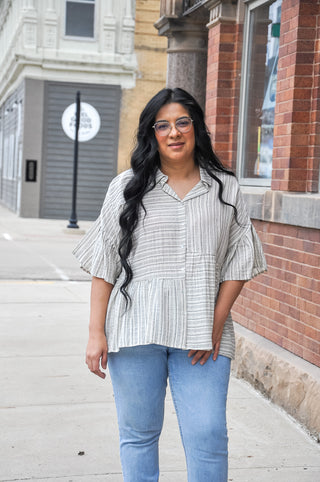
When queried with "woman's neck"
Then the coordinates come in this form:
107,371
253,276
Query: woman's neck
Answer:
180,170
181,177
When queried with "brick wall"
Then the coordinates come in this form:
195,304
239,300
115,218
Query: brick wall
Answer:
283,304
314,144
297,127
223,88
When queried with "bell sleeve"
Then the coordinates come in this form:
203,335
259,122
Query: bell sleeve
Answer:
97,251
244,258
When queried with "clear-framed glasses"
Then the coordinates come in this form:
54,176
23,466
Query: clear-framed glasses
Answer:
163,128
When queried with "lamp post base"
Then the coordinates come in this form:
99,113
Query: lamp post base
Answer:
73,224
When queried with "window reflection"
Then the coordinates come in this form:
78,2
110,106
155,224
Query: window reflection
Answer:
261,78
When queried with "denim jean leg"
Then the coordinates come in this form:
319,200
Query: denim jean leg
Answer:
200,395
139,378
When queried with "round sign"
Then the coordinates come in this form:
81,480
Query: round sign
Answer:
89,122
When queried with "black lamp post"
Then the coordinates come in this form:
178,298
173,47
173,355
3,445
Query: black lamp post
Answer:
73,217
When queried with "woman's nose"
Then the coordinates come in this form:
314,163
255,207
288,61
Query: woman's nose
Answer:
174,131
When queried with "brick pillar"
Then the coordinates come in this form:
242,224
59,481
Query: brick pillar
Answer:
314,146
297,114
223,81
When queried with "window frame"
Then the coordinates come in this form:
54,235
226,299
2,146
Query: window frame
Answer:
79,37
244,86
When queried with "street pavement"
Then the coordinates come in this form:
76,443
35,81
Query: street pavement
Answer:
58,421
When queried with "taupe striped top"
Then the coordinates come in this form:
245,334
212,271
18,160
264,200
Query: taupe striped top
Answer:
182,251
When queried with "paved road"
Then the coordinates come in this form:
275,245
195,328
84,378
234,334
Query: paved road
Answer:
52,409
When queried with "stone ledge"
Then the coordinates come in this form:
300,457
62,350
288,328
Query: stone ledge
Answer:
285,379
297,209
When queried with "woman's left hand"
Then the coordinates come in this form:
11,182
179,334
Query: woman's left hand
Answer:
203,356
228,293
199,355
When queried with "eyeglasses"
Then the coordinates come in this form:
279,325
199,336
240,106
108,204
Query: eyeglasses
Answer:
163,128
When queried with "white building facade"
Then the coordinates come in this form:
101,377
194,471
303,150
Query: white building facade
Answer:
49,50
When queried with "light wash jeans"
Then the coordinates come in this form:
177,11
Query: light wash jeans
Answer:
139,377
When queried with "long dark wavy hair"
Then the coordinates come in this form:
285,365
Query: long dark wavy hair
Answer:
145,162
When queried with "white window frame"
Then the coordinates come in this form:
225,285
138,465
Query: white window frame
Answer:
246,57
79,37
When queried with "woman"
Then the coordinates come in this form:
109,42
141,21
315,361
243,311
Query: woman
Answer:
169,255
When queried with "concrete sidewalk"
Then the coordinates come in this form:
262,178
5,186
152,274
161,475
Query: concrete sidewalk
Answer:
58,421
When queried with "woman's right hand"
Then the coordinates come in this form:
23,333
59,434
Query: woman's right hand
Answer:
97,352
97,348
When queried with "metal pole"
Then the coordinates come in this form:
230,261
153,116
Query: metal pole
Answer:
73,217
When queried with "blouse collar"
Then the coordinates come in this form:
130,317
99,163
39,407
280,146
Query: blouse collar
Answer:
204,177
161,178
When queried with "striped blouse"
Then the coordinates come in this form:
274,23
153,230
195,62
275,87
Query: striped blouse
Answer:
182,250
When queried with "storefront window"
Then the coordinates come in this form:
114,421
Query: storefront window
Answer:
260,62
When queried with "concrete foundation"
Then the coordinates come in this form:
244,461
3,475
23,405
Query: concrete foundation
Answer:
285,379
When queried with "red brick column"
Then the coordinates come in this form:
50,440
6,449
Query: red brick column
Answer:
314,146
223,86
297,115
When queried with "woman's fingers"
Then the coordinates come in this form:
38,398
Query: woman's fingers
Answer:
97,351
216,350
94,364
191,353
99,373
199,355
205,357
104,359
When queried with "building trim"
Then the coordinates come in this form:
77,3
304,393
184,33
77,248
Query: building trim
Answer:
296,209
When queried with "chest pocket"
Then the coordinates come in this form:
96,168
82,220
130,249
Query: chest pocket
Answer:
208,228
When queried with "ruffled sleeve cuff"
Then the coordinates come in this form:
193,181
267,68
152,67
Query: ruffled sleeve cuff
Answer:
245,259
97,255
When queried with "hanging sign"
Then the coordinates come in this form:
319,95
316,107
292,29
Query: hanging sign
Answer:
89,122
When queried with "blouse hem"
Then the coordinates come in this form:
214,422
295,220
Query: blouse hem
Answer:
225,353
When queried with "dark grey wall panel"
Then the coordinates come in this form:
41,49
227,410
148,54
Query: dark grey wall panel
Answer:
97,157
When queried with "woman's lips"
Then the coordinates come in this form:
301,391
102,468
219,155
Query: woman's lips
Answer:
176,145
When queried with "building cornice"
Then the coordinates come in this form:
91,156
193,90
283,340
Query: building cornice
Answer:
117,70
221,11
